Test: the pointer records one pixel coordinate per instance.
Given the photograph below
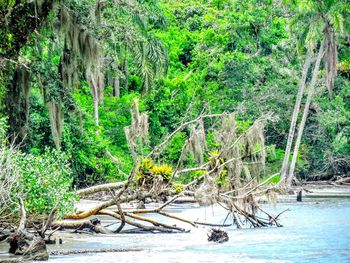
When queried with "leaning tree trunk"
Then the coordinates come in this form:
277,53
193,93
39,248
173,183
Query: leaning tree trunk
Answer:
305,113
331,56
295,117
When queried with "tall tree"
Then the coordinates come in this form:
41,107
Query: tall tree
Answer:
296,110
323,19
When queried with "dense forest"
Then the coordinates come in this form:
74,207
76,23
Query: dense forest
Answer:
91,89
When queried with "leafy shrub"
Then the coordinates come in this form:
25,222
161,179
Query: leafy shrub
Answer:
45,181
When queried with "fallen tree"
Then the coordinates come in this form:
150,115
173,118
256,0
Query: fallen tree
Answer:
230,177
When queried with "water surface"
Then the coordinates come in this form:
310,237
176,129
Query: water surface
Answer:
313,232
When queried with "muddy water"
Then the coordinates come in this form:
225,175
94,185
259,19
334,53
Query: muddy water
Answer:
314,231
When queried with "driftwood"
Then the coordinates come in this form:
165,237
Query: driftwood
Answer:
30,246
92,225
100,188
230,178
217,235
239,157
343,180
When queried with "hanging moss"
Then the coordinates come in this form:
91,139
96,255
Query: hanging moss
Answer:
56,120
137,132
241,160
80,43
17,104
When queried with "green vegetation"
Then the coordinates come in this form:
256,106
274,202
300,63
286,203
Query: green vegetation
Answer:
70,74
43,181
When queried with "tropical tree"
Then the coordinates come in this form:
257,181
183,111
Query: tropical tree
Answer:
90,34
323,19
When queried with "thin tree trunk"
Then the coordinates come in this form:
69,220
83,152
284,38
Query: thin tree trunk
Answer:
95,99
295,116
126,68
305,113
116,80
116,87
96,117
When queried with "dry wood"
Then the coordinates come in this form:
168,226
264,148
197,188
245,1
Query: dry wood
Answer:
153,222
240,191
100,188
136,224
93,225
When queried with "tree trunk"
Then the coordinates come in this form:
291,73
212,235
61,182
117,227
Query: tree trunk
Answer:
126,69
295,116
116,78
17,104
96,116
305,113
29,245
95,98
116,87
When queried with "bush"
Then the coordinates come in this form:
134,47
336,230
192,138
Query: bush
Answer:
42,181
45,181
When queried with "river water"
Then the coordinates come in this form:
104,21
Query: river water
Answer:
313,231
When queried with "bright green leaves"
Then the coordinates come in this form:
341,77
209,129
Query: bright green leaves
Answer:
45,180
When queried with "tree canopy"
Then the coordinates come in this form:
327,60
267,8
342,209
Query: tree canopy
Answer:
71,70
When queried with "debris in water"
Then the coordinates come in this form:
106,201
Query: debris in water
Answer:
218,236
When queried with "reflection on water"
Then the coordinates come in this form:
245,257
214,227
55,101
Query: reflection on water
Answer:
312,232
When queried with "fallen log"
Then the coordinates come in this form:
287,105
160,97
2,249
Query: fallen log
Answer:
100,188
93,225
138,225
153,222
343,180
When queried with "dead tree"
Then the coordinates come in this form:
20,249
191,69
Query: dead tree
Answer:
230,176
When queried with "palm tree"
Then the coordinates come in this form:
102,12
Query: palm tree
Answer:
116,29
322,19
131,39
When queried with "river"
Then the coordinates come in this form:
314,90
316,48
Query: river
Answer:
313,231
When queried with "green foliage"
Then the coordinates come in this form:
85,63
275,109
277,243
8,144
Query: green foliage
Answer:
44,182
180,58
